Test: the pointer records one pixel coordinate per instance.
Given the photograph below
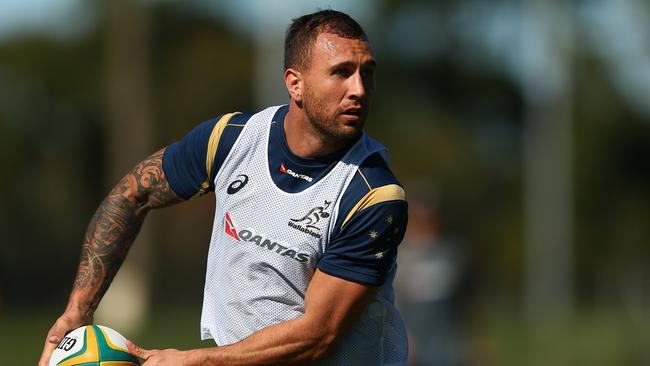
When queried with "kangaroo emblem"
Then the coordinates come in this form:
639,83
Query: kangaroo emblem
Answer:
314,215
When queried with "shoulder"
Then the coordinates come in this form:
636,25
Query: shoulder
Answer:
228,126
371,222
224,133
373,183
191,163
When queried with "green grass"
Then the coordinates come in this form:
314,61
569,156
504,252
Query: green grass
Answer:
22,332
595,338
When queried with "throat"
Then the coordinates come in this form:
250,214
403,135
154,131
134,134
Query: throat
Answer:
304,140
312,145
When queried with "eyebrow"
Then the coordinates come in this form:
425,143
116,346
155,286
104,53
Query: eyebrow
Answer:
370,63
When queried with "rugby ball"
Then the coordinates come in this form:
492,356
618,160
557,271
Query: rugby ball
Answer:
92,345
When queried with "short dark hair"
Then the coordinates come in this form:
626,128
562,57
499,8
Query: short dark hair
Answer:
303,31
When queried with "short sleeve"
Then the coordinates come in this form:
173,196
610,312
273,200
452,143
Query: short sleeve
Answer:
192,163
184,161
366,247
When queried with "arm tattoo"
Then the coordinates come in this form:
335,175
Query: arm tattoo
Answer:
116,223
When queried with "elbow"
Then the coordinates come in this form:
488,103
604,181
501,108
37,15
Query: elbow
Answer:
131,200
129,195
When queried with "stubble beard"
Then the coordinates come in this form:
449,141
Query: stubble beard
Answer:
326,125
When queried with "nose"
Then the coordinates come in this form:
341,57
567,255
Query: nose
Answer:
357,88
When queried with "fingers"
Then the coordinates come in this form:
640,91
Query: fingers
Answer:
55,339
137,351
47,352
65,323
54,336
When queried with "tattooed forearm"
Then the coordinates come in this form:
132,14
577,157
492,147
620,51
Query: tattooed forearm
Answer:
116,223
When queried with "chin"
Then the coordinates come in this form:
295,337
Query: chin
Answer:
354,127
350,132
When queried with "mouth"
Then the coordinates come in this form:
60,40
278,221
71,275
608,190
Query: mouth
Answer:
352,114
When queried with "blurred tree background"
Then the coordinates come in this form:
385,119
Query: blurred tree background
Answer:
524,126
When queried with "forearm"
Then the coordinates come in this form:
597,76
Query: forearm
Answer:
294,342
109,236
114,227
332,306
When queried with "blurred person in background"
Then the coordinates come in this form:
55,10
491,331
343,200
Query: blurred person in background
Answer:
307,223
429,284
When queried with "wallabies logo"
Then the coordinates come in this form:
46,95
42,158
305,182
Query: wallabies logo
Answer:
313,216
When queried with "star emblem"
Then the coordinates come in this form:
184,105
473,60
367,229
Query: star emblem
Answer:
389,219
379,255
373,234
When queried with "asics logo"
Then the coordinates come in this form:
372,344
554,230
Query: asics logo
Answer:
237,184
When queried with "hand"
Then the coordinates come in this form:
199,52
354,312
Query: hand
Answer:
66,323
154,357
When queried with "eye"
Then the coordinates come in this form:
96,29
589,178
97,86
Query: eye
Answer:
342,71
368,73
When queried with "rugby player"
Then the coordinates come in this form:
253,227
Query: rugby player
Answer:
307,221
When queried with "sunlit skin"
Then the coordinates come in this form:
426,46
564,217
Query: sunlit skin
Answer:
329,104
330,98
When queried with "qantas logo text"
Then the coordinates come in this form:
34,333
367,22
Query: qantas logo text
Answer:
283,169
262,242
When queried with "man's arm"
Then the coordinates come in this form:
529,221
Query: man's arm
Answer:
111,232
332,305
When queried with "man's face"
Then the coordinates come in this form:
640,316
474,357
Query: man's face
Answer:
338,85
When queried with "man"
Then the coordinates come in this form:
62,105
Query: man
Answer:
307,222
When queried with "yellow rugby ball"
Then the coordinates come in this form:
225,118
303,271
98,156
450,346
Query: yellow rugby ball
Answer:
93,345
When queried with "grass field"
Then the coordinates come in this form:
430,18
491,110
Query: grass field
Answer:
594,338
22,332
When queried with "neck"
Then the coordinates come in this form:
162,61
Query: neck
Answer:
304,140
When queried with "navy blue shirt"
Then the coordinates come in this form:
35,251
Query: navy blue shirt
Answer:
364,243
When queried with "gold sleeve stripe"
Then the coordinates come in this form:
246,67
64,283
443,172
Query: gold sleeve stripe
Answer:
390,192
213,143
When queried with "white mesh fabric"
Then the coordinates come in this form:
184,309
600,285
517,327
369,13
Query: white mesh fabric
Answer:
261,260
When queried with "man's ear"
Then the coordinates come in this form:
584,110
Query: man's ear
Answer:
294,82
